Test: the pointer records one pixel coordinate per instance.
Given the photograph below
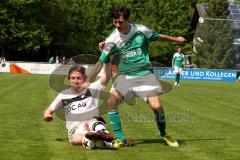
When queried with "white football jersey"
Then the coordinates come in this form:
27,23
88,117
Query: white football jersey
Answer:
81,106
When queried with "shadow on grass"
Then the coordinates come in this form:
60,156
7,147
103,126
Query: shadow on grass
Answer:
62,139
147,141
184,141
152,141
180,141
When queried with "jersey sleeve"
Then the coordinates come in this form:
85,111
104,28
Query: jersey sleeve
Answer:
173,59
56,102
103,58
150,34
96,87
174,55
109,48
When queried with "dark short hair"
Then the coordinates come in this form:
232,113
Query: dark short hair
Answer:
79,69
118,11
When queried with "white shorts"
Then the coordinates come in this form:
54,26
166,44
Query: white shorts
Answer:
177,70
136,86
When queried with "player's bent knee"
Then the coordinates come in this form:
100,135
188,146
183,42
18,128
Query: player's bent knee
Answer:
76,140
112,102
158,110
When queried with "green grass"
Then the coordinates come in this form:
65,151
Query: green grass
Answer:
203,116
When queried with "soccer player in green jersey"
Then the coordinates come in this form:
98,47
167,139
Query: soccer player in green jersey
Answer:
178,62
128,43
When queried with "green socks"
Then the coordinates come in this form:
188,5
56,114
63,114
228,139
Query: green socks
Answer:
114,118
177,78
161,123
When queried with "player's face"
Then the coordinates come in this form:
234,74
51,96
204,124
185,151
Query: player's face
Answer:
179,50
76,79
121,24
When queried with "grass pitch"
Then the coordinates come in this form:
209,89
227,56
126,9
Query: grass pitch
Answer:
203,116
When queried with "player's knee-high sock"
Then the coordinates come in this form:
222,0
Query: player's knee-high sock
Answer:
177,78
161,123
99,126
114,118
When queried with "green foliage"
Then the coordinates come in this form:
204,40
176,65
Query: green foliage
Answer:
217,50
237,2
202,1
80,25
89,21
217,9
20,26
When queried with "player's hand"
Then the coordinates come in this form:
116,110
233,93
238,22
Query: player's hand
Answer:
101,46
48,117
181,40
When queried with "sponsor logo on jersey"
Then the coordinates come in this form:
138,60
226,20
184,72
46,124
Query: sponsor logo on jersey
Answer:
81,97
131,53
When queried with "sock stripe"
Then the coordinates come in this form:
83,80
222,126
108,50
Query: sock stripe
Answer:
113,112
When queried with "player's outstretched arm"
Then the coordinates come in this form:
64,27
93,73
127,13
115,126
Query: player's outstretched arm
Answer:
107,74
97,67
173,39
94,72
48,114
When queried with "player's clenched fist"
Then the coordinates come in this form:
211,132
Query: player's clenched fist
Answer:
48,117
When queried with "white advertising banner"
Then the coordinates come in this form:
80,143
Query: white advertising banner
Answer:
39,68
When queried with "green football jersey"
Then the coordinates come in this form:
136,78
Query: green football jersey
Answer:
178,60
130,51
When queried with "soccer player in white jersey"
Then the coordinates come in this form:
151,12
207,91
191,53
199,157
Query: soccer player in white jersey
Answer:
128,43
178,62
81,108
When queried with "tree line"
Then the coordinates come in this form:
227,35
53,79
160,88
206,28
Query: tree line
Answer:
77,26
